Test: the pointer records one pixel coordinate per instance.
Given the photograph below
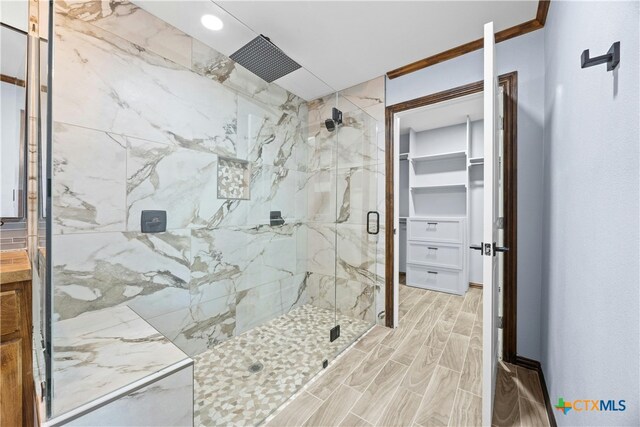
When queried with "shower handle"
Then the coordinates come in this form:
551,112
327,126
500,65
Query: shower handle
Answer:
377,223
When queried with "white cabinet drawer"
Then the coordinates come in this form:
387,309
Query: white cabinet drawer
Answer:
434,278
436,230
435,254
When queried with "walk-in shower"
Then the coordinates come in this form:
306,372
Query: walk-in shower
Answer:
219,305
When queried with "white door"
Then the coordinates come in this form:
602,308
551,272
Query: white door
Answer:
396,221
490,227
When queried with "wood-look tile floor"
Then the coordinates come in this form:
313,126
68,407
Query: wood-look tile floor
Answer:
519,400
426,372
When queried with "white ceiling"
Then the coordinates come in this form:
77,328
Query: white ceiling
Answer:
343,43
443,114
185,15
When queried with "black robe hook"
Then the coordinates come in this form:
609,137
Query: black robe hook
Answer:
612,58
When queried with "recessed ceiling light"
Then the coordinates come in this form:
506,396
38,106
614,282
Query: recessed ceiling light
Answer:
212,22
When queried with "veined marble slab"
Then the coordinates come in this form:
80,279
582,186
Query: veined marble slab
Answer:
100,270
346,250
90,361
165,402
239,258
258,305
357,193
357,145
275,188
212,64
93,321
295,292
108,83
136,25
321,248
369,96
353,144
197,327
89,180
348,297
272,135
167,177
321,195
356,253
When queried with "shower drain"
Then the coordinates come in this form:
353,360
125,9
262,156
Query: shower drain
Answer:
256,367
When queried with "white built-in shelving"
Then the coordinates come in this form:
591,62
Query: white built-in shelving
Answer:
445,182
439,156
438,187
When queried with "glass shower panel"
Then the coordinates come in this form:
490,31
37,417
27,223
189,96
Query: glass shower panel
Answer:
320,224
356,222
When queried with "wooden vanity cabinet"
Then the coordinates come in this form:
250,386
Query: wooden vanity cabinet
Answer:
16,370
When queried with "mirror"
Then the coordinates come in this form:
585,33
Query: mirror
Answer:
13,107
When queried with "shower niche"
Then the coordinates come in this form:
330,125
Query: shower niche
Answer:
234,179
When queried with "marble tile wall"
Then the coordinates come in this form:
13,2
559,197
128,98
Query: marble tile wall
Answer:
346,180
142,115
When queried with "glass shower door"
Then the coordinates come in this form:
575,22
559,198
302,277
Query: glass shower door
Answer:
357,223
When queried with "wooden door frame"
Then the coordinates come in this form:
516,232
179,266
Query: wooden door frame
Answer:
509,83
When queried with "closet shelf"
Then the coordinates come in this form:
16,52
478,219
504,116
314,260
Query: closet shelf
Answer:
404,156
476,161
437,187
442,156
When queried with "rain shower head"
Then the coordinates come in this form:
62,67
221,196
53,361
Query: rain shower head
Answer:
264,59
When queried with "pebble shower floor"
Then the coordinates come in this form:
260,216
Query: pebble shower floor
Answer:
230,390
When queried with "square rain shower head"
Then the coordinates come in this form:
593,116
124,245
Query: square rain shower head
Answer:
264,59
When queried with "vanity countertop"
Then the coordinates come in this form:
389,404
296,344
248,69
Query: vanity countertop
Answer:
14,266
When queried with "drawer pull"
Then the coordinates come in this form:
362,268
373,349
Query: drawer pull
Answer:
432,223
431,248
432,272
